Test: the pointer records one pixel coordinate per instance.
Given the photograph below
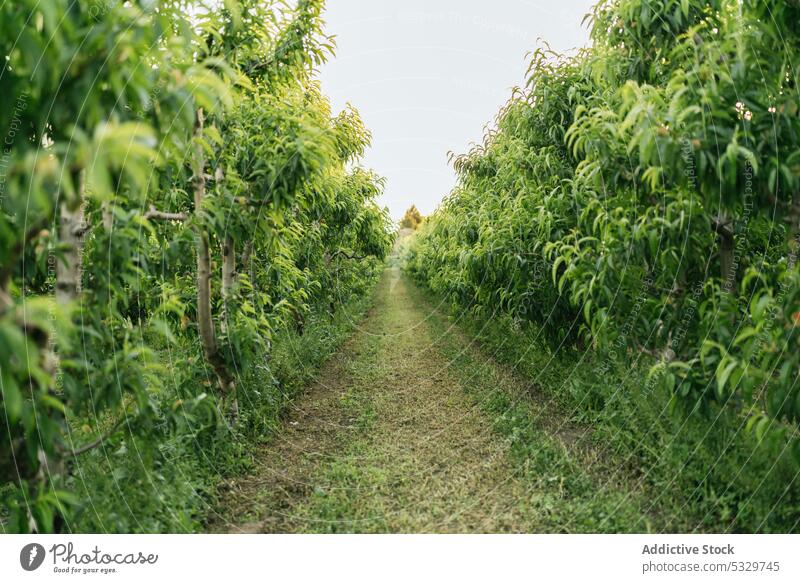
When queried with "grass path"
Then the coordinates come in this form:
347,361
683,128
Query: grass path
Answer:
411,428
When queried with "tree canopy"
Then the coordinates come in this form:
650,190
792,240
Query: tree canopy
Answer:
412,218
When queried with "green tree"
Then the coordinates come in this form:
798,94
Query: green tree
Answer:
412,218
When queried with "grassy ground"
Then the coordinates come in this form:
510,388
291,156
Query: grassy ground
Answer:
412,428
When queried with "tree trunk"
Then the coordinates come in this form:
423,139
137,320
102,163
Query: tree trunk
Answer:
328,257
69,269
108,217
724,230
228,278
205,321
245,260
726,255
71,231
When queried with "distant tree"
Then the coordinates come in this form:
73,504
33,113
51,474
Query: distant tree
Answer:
412,219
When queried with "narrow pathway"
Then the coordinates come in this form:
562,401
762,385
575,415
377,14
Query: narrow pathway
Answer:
409,428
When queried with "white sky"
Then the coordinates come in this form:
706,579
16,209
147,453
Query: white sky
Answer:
427,76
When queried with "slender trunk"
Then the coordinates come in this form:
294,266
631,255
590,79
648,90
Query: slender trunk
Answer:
724,230
331,305
247,252
69,269
246,262
726,259
205,322
108,218
71,231
228,278
726,254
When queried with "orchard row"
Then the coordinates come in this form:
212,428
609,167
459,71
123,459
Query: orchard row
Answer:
175,190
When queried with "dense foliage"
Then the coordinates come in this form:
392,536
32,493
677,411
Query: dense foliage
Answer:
176,193
640,198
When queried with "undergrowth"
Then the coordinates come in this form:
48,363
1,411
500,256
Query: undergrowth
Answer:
130,485
705,474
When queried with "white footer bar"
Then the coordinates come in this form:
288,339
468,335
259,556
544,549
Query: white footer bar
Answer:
371,558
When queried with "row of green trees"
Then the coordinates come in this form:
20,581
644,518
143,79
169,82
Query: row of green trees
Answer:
640,197
173,181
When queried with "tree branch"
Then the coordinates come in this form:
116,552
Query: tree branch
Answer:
348,255
722,226
81,229
91,445
154,214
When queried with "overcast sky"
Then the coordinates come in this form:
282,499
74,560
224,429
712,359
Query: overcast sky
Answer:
427,75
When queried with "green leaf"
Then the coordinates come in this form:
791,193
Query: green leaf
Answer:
724,371
12,397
